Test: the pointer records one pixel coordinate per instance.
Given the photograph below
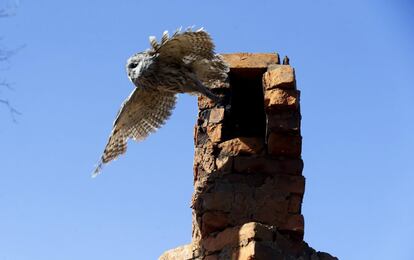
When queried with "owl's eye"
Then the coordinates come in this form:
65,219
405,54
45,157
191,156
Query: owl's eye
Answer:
132,65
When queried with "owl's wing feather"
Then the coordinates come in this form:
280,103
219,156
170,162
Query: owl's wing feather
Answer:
142,113
188,45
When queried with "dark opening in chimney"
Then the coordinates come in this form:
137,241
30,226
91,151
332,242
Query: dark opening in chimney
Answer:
247,116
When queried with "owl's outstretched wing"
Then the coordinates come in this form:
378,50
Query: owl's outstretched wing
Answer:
142,113
187,45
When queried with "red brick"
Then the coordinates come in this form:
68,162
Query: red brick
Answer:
294,223
214,221
284,121
214,132
210,257
218,200
229,236
284,145
257,250
271,212
279,76
283,184
281,98
225,164
242,145
295,203
182,252
251,60
247,252
216,115
203,157
236,236
268,165
292,184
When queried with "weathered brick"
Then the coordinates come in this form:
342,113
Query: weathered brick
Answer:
195,223
250,60
258,250
218,200
281,98
225,164
279,76
242,145
256,231
235,236
294,223
214,132
216,115
284,121
182,252
267,165
265,251
295,203
324,256
271,211
229,236
279,184
284,145
214,221
242,205
210,257
204,157
245,252
293,184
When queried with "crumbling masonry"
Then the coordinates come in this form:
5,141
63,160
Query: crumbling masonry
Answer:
248,182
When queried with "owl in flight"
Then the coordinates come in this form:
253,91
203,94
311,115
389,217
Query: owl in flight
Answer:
183,63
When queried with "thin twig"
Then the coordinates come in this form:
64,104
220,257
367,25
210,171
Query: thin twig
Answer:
5,55
13,112
6,84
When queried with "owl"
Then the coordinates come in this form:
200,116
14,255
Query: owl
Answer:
183,63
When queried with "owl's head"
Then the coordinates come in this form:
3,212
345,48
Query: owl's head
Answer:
136,64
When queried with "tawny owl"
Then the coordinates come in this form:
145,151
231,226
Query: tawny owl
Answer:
183,63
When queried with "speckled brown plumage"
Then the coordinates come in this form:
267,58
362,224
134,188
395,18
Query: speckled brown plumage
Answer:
182,63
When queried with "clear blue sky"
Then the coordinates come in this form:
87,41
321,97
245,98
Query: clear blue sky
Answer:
354,63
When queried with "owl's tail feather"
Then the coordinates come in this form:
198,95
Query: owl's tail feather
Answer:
97,170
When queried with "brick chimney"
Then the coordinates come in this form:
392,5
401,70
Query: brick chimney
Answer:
248,182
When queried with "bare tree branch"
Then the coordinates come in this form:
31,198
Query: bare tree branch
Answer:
5,55
12,110
8,9
6,85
